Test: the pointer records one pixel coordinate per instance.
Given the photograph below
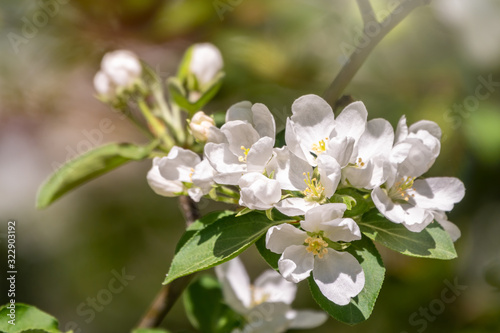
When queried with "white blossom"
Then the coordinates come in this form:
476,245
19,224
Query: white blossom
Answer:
206,62
312,130
265,304
171,174
338,275
248,143
295,174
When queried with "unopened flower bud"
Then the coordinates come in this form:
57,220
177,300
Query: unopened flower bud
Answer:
200,125
120,70
206,62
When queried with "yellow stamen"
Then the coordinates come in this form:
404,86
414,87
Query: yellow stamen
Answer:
245,152
314,190
398,190
317,246
320,147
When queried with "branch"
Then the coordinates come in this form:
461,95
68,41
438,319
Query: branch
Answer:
366,10
374,33
168,294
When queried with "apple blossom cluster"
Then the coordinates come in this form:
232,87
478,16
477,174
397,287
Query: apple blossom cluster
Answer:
322,154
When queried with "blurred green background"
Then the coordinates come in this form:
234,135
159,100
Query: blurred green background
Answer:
429,67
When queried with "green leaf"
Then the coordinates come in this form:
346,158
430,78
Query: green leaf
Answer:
361,306
218,242
432,242
356,204
89,166
205,306
150,330
27,318
200,224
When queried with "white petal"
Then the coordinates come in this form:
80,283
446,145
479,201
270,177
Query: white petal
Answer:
240,111
420,158
288,169
313,121
439,193
272,287
448,226
203,176
160,185
317,215
384,204
279,237
306,319
401,130
377,139
258,191
263,121
259,154
428,126
293,143
295,206
416,219
239,134
342,229
229,168
103,85
341,149
351,121
235,284
267,318
296,263
215,135
330,174
179,164
339,276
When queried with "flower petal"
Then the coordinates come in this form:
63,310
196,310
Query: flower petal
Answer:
240,111
428,126
439,193
295,206
263,121
159,184
324,213
339,276
235,284
288,169
296,263
179,164
329,173
341,149
259,154
306,319
351,121
393,211
240,135
377,139
279,237
343,229
258,191
229,168
271,286
401,130
450,227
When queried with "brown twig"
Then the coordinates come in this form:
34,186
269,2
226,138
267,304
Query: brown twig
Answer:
374,31
168,294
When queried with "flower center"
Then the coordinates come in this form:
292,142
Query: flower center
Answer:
191,174
317,246
359,163
320,147
314,190
398,190
245,154
258,296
